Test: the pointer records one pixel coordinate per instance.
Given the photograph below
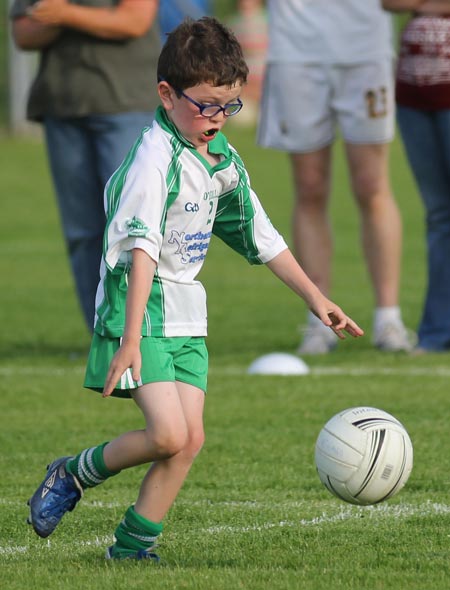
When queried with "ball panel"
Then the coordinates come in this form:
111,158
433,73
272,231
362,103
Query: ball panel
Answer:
371,461
366,417
340,449
338,488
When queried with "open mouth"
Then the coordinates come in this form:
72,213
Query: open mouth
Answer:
210,133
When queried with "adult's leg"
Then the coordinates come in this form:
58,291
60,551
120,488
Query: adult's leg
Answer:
426,139
381,234
297,118
365,103
80,200
312,235
113,136
381,229
173,437
83,154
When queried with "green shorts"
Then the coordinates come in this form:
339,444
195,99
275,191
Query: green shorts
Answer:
163,359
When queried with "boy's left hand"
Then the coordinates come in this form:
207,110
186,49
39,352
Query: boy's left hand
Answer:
333,317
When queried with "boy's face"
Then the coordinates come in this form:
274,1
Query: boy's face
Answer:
185,115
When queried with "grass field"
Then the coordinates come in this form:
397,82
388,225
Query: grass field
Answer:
253,514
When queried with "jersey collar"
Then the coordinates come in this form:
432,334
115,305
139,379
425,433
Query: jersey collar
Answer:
218,146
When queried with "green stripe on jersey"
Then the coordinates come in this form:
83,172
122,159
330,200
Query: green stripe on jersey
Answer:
115,186
115,283
234,218
173,179
155,307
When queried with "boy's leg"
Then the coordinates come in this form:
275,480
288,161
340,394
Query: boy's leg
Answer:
177,410
163,481
135,538
172,438
89,467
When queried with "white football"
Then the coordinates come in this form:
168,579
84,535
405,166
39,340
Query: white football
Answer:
364,455
278,363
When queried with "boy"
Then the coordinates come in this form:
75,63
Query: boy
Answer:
180,183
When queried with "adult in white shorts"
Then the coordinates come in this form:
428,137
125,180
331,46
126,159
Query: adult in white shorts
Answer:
330,65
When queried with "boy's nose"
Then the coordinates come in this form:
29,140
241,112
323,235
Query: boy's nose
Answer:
220,116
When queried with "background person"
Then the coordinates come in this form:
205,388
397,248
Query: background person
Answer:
172,12
329,64
93,94
423,111
250,27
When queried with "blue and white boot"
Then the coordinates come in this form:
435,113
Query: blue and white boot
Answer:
58,493
114,553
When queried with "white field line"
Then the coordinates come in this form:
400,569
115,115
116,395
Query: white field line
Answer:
382,511
360,370
397,511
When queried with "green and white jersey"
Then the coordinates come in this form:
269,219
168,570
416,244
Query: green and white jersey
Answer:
168,201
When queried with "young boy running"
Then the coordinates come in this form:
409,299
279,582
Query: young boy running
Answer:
180,184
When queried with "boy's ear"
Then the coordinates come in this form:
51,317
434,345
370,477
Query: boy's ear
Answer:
165,94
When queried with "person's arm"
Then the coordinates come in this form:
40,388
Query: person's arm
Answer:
420,6
129,353
401,5
287,269
129,19
29,35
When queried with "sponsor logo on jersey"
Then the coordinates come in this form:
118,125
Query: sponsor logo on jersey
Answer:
190,247
191,207
208,195
136,227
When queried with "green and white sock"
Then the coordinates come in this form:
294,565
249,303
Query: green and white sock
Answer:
89,467
135,533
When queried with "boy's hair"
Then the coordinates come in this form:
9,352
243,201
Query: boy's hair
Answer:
200,51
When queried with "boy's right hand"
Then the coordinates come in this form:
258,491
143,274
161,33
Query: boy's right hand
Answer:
128,356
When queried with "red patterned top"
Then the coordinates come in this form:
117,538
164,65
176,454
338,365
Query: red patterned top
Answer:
423,72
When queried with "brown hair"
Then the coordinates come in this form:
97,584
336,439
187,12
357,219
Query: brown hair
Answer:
200,51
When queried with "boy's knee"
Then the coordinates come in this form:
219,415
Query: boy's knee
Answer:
168,442
195,444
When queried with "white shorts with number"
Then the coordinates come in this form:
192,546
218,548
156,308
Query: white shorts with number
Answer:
302,105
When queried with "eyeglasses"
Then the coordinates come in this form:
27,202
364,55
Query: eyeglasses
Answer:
211,110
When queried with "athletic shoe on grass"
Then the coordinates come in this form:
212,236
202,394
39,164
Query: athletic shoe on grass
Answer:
317,339
394,337
114,552
57,494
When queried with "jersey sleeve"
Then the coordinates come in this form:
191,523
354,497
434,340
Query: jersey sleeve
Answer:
242,223
136,206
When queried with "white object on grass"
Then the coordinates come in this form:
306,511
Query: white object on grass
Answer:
278,363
